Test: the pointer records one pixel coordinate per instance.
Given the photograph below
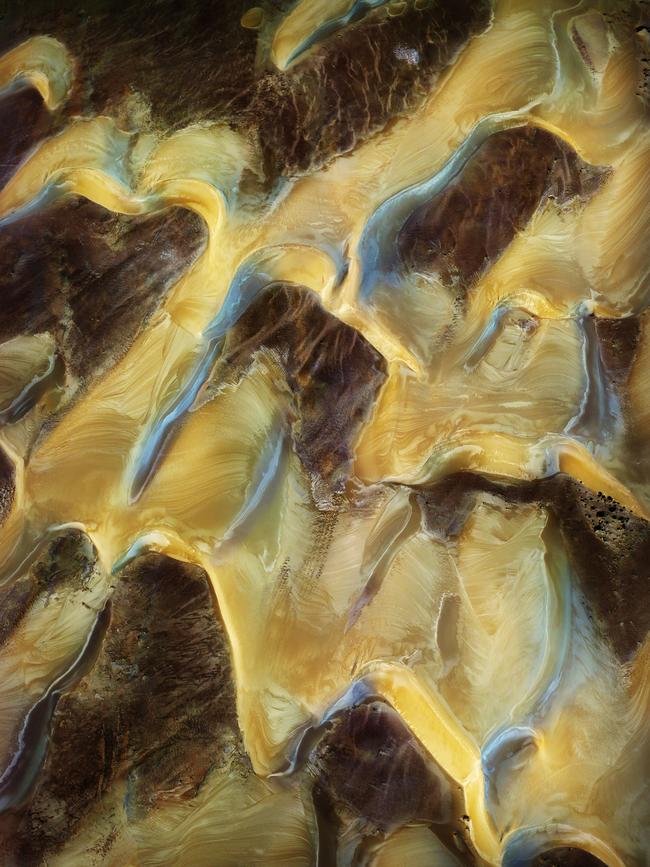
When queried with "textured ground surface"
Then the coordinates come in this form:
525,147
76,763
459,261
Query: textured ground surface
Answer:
325,433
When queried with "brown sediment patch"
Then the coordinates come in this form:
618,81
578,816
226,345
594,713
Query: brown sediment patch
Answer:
462,230
187,65
7,485
90,276
376,770
356,81
156,707
618,340
567,856
371,773
333,371
24,121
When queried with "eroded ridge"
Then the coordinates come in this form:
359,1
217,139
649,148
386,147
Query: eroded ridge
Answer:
324,460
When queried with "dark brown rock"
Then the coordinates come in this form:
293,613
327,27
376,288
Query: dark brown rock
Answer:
333,371
609,548
157,707
567,856
374,770
466,227
187,61
24,121
618,340
356,81
446,507
7,486
90,276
